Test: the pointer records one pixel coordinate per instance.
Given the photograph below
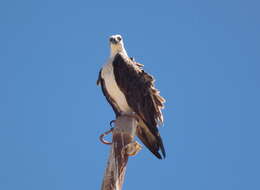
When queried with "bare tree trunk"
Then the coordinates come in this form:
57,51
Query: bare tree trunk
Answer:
122,147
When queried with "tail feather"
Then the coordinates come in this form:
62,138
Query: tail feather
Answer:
152,142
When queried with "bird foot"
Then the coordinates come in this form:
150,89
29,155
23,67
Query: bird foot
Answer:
131,149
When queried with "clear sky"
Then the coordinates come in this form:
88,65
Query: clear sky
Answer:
204,55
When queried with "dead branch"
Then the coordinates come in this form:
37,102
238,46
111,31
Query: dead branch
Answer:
122,147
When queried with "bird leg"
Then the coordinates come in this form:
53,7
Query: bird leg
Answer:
131,114
131,149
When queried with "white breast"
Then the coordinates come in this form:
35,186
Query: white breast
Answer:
112,88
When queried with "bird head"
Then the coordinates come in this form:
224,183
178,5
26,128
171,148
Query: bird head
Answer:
116,45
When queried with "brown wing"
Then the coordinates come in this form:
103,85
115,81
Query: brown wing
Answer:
143,98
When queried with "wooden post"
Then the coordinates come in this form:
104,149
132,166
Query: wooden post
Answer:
123,145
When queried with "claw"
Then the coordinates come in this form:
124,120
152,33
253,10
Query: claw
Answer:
111,122
101,137
131,149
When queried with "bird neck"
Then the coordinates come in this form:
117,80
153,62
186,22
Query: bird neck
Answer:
114,51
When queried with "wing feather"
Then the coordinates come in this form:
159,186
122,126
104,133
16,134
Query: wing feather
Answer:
143,98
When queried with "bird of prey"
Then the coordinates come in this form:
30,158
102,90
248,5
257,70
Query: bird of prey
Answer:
129,89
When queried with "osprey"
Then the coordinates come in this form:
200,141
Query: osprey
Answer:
129,89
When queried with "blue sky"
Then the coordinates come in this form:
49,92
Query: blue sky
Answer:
204,55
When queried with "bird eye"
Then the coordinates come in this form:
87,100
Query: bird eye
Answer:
119,38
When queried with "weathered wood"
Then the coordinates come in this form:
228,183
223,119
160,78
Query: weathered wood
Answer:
122,147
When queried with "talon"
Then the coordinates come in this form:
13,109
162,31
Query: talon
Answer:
131,149
111,122
101,137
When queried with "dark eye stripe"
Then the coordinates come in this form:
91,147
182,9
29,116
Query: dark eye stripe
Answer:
119,38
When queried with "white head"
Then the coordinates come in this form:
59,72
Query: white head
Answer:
116,45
